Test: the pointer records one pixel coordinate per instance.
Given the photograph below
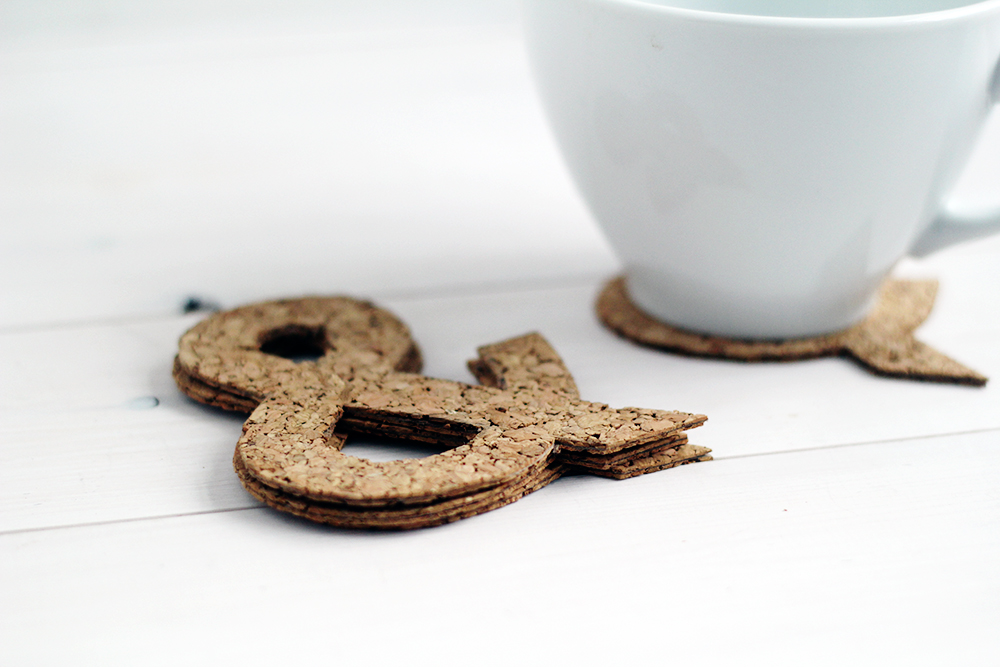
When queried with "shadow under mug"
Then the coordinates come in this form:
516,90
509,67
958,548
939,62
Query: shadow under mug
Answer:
760,166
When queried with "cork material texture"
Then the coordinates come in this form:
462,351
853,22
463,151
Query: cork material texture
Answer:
883,343
521,428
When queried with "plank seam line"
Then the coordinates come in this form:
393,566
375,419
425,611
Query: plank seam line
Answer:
442,292
111,522
865,443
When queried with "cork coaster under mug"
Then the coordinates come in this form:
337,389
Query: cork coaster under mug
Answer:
521,428
883,342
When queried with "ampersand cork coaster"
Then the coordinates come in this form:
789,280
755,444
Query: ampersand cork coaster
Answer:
883,342
522,428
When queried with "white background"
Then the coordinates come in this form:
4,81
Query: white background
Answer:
237,151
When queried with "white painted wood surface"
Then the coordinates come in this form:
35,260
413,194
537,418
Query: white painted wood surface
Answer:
394,150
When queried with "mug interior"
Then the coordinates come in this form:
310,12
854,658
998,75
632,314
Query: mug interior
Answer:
818,8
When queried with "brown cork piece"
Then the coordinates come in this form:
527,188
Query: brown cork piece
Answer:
607,461
433,513
518,431
209,395
883,342
224,351
667,457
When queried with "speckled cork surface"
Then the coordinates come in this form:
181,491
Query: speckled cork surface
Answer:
523,427
883,343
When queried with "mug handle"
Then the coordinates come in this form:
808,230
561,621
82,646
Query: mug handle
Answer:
958,221
955,223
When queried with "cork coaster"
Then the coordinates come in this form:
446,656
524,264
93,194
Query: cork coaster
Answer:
883,342
521,428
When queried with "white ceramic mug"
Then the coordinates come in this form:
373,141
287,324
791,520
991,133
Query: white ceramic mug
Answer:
760,165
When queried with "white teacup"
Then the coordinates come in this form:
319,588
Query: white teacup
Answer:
760,165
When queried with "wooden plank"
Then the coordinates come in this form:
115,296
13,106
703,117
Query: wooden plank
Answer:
135,175
868,555
78,446
94,429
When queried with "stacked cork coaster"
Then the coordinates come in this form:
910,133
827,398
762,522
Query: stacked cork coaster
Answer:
883,343
519,430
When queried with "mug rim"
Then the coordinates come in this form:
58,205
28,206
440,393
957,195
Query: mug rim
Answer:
921,18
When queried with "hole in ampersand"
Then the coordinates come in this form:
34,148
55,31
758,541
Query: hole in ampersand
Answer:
375,438
296,343
380,448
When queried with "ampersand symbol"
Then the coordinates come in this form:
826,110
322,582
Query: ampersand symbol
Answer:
521,428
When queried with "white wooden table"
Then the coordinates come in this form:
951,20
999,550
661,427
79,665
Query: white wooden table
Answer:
394,150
